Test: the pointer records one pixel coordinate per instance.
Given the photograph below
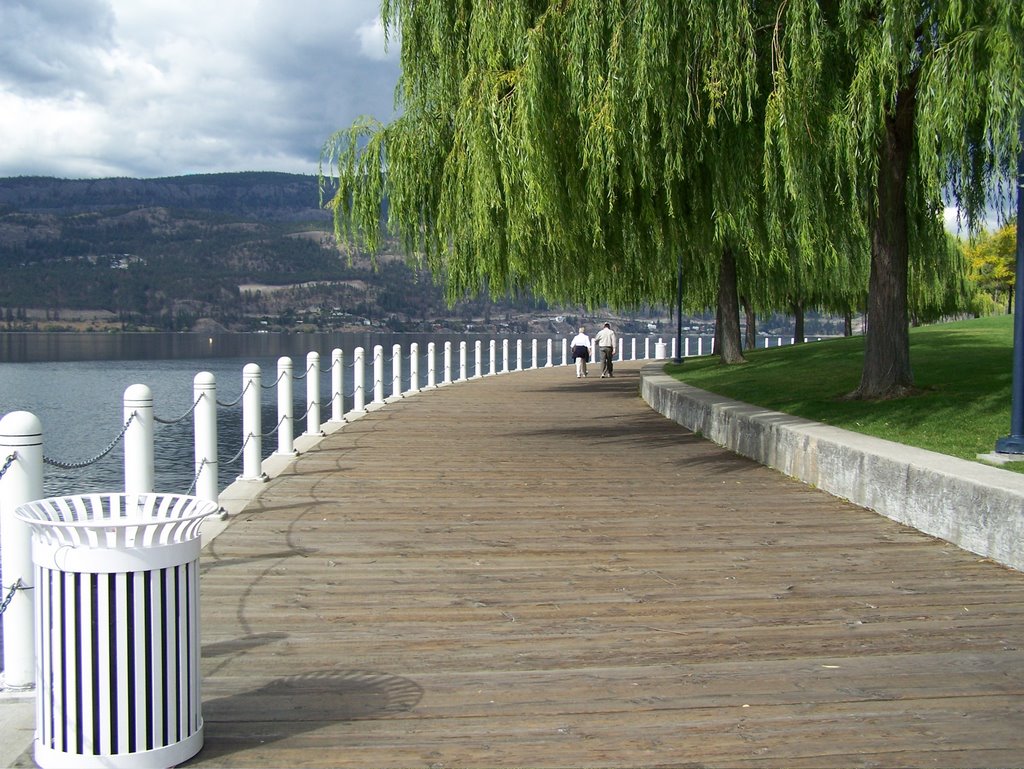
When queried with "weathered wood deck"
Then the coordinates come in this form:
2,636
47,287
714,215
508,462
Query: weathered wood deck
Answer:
535,570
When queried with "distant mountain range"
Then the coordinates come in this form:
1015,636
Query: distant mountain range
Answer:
237,251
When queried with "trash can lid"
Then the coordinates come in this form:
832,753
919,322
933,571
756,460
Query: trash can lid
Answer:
100,519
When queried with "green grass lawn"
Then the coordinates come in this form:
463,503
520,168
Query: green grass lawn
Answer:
963,371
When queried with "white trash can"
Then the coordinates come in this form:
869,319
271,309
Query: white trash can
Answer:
117,628
660,350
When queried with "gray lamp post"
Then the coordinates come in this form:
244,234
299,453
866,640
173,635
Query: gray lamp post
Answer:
1014,442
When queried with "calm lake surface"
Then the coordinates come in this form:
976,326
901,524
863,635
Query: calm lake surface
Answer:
75,383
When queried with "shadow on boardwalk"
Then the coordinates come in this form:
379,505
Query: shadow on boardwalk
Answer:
535,570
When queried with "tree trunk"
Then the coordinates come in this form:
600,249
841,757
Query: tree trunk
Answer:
750,342
848,323
727,321
798,322
887,372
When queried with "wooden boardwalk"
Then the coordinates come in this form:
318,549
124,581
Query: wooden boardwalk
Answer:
535,570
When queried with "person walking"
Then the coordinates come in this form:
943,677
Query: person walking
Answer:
581,352
606,341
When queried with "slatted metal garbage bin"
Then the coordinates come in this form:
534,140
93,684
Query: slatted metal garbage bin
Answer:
117,628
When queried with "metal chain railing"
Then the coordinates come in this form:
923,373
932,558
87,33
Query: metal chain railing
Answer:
8,462
195,479
183,417
237,400
79,465
239,454
18,585
273,384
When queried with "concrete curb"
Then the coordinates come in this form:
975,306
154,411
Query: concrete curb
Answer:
974,506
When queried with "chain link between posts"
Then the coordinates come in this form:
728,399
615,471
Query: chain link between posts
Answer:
18,585
183,417
85,463
8,462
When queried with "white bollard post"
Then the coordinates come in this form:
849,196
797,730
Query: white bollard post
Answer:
204,420
478,358
462,361
252,424
519,355
313,393
533,354
674,343
431,370
378,373
396,371
414,368
337,385
593,351
700,346
633,351
647,348
686,347
504,356
447,363
565,351
551,351
359,381
622,350
285,427
766,343
138,439
21,480
494,357
712,345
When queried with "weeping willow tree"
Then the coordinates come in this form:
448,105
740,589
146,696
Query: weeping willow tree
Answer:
577,148
895,102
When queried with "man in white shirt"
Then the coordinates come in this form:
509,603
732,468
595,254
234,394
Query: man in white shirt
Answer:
606,341
580,346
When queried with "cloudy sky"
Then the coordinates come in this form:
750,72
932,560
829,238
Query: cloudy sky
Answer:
146,88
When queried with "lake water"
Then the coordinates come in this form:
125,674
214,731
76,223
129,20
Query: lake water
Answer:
75,383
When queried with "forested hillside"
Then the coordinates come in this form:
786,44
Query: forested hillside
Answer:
242,251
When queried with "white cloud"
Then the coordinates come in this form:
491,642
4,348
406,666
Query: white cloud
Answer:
151,88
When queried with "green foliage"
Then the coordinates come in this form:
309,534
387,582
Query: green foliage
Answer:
993,262
963,370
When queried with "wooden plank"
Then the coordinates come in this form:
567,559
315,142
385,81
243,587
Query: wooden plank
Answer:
532,570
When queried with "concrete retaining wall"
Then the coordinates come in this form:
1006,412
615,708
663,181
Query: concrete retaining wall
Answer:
974,506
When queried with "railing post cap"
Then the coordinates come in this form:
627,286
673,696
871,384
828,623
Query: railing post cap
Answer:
251,369
312,355
204,378
284,362
139,393
20,423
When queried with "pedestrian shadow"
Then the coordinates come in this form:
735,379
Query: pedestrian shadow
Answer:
288,707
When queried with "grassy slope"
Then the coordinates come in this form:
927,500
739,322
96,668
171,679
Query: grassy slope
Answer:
963,370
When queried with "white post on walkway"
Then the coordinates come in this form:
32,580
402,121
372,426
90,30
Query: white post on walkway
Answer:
565,351
494,357
647,348
358,381
519,355
551,350
378,373
312,393
285,428
712,345
414,368
478,357
504,356
396,370
593,351
21,480
686,347
622,349
700,346
674,356
462,361
633,355
337,385
431,369
252,423
533,353
138,439
204,420
447,363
